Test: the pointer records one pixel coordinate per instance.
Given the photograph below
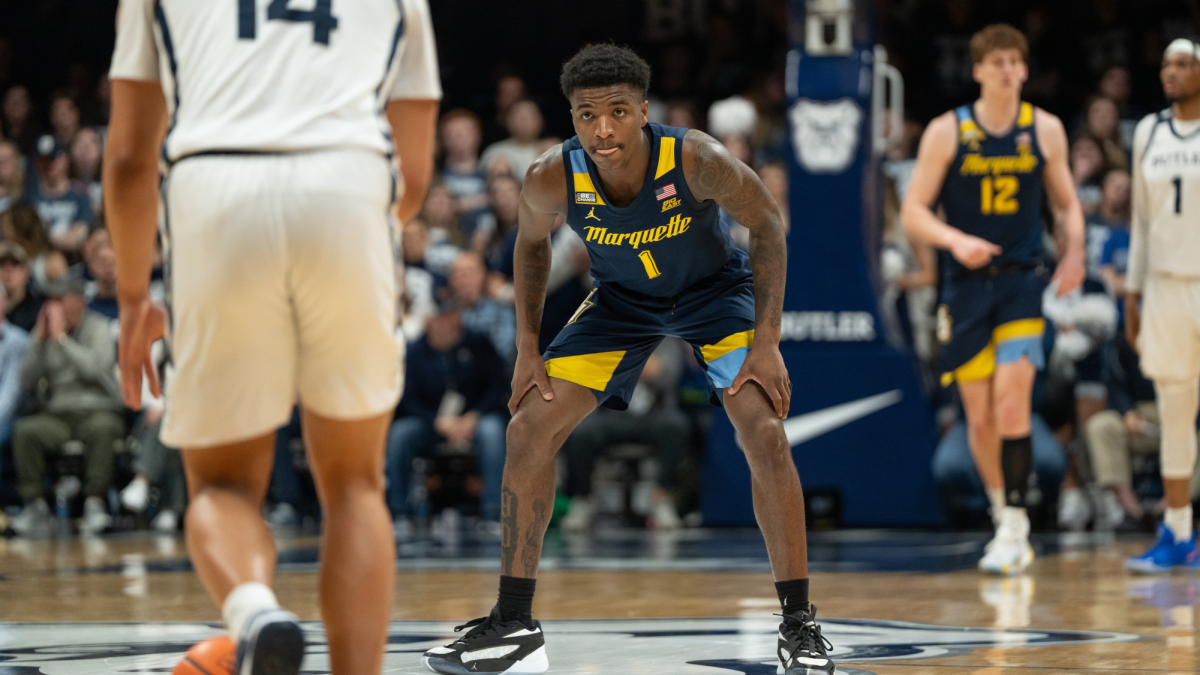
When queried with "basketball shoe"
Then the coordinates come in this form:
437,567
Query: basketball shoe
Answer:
1009,551
802,648
1166,554
271,643
492,646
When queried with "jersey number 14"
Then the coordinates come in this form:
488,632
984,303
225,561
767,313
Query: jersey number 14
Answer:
998,195
320,16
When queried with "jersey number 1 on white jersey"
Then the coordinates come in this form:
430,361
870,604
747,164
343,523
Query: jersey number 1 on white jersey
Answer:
321,17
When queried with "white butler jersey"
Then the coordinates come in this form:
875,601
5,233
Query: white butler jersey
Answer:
278,75
1165,230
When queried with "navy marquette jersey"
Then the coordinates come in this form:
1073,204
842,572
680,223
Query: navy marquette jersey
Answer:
664,267
665,240
993,190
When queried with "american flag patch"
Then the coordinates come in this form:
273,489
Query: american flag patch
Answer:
665,191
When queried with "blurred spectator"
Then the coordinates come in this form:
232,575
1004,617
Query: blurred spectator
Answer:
442,222
1111,216
66,214
1115,85
568,284
23,300
509,90
1102,121
732,122
653,418
64,117
1088,164
101,265
775,179
1113,262
13,344
461,171
520,149
454,393
21,225
19,124
418,297
12,174
284,489
501,234
155,466
70,368
86,160
1045,60
1129,426
480,314
955,473
680,114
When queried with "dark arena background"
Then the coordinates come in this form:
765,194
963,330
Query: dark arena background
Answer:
653,562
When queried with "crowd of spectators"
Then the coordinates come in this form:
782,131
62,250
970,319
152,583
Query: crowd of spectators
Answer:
69,448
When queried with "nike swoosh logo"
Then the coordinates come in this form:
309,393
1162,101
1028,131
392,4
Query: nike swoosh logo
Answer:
812,424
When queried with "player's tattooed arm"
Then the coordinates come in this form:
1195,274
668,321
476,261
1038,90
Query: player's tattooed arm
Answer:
543,198
713,173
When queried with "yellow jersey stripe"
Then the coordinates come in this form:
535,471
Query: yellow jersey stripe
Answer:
583,183
1022,328
1025,119
666,156
736,341
980,367
588,370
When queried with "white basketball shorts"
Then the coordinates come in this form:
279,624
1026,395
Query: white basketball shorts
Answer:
1170,335
281,273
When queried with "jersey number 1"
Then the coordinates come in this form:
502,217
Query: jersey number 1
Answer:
320,16
997,195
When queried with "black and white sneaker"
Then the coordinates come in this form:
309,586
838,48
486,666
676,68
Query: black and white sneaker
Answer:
271,643
492,646
802,648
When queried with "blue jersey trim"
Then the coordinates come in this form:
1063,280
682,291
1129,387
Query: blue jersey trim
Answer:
169,47
963,113
578,162
387,137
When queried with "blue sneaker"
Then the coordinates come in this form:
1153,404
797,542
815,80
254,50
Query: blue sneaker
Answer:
1166,555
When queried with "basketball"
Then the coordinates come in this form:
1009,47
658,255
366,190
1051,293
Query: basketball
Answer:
214,656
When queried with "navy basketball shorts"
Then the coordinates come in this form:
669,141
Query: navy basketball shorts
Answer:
614,331
989,320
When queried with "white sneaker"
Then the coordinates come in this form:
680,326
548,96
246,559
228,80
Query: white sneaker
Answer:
1074,510
283,515
1009,552
665,517
579,516
33,519
403,529
166,521
136,495
1110,512
95,518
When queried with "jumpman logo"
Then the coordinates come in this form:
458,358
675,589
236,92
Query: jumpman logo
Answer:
592,214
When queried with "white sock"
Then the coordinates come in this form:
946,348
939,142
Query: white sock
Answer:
1179,521
996,499
244,602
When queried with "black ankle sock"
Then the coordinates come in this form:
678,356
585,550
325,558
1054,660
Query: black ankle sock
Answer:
1016,461
793,595
516,598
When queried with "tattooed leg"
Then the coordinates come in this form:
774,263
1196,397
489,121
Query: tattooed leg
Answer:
535,434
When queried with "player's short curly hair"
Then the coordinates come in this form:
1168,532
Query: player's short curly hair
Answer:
605,65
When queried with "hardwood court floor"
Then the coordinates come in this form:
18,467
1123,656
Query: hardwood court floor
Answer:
630,603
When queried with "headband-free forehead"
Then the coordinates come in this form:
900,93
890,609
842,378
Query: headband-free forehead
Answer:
1183,46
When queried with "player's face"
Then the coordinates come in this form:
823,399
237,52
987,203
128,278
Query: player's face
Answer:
1180,77
608,121
1002,71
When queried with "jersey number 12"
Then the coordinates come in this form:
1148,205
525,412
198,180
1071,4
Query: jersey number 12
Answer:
998,195
320,16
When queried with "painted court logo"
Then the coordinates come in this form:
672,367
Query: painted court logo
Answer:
678,646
